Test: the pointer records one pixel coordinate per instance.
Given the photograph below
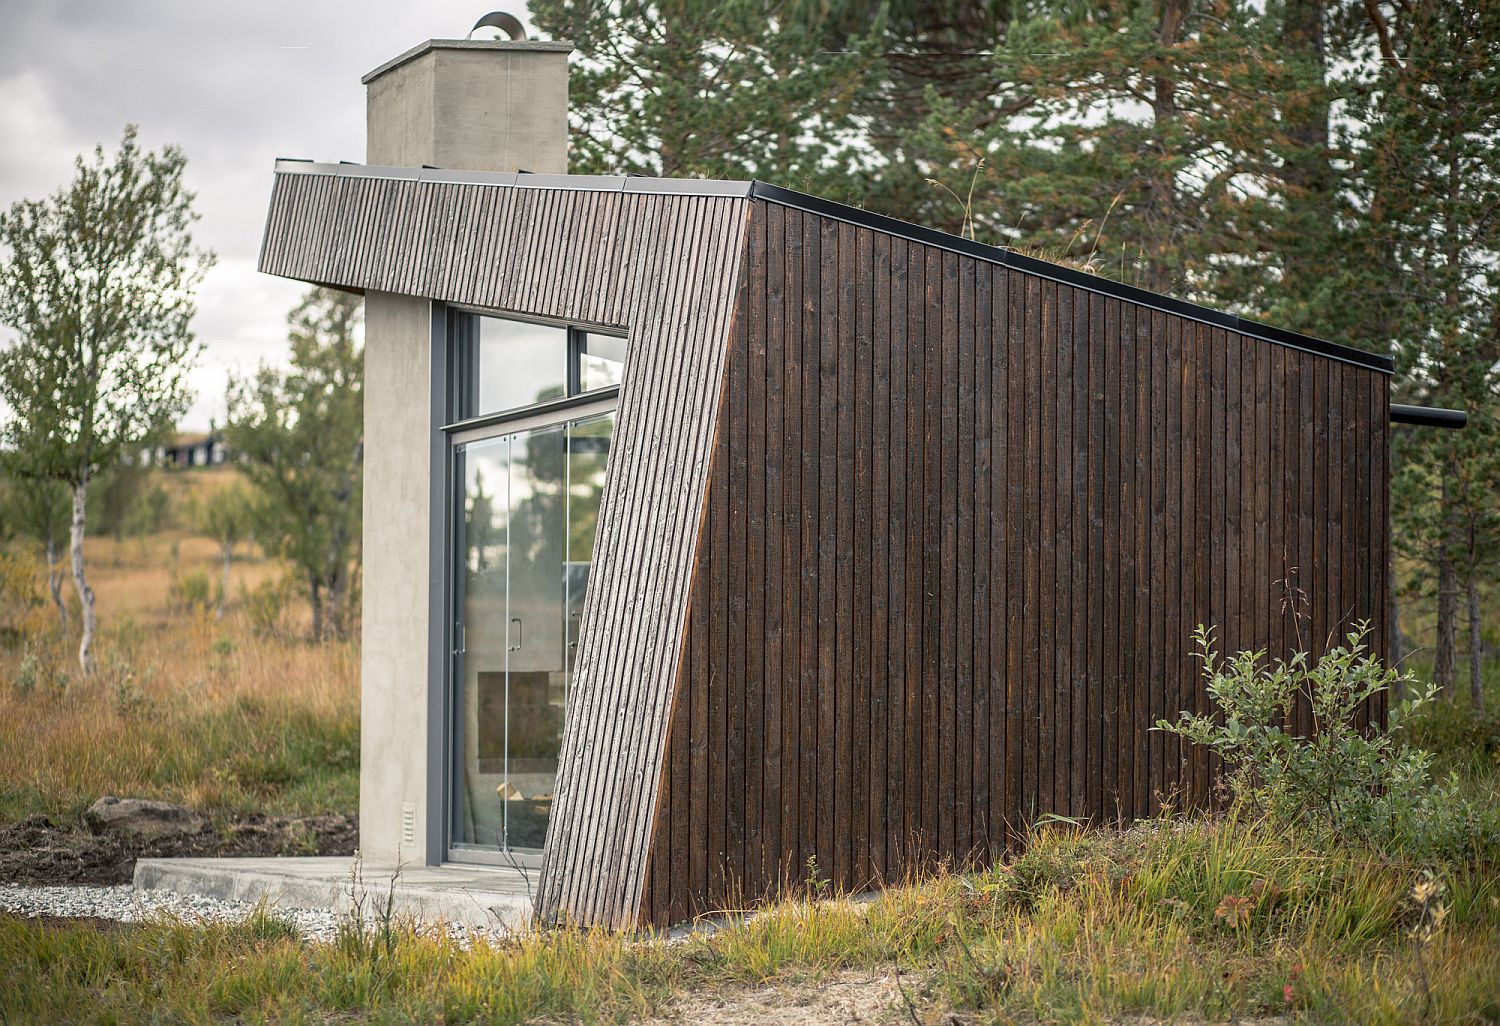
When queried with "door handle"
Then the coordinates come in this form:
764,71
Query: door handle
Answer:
519,637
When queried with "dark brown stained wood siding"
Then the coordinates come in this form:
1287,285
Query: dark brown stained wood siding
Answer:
961,523
666,268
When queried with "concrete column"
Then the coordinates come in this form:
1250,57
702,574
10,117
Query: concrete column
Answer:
461,105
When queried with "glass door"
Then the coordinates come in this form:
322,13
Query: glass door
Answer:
525,530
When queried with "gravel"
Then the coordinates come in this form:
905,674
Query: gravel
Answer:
125,904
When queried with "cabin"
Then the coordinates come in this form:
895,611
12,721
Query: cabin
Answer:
718,535
200,449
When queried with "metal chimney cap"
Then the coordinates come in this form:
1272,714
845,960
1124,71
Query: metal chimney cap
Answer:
507,23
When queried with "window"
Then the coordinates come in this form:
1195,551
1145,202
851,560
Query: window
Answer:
501,364
601,360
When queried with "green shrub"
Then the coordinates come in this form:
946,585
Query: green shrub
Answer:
1347,781
190,592
21,599
269,607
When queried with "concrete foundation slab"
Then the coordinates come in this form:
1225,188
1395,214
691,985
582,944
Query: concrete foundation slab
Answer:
472,896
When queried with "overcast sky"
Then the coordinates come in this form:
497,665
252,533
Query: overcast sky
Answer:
236,85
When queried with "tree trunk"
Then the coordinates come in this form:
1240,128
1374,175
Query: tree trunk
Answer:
315,599
1445,658
1396,641
54,583
1306,169
1476,648
227,550
80,578
1158,270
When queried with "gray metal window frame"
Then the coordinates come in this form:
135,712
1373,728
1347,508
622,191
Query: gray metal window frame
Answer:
447,435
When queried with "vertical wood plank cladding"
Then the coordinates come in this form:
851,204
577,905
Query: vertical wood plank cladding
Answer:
1029,495
998,568
878,440
909,543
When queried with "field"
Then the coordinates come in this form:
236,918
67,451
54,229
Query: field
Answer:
237,722
1177,919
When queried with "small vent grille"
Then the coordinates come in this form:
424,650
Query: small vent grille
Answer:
409,823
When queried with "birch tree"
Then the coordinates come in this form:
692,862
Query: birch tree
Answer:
97,282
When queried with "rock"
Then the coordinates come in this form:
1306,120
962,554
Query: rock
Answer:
142,817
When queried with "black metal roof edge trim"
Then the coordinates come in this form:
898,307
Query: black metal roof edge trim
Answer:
1428,416
1070,276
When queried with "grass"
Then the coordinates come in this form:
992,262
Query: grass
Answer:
1183,919
1084,927
186,707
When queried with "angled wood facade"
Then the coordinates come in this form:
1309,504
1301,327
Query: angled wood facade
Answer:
903,538
661,266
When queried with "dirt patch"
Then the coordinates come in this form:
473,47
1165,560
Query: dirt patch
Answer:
40,852
847,998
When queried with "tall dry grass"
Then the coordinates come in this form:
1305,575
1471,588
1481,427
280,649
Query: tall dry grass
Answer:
186,706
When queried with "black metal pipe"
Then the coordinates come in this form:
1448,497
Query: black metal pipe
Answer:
1428,416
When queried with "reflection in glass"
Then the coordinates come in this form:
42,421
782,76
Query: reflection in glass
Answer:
601,361
530,512
517,364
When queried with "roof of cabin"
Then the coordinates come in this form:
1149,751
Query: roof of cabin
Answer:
631,184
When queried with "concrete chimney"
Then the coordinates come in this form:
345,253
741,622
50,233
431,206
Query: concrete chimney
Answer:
471,105
460,105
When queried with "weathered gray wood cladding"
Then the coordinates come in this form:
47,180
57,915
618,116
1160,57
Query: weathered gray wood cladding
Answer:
962,521
664,267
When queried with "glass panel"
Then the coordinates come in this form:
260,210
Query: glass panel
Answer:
537,680
601,361
588,451
484,469
516,364
529,513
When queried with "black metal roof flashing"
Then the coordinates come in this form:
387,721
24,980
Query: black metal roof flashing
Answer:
1428,416
868,219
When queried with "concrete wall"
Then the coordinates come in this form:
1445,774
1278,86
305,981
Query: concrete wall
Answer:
394,684
472,106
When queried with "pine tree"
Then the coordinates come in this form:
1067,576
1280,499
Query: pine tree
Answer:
1433,176
731,90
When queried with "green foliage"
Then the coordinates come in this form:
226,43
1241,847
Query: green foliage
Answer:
1350,782
34,510
1432,111
20,598
190,592
225,516
268,605
98,284
1141,138
300,433
727,90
